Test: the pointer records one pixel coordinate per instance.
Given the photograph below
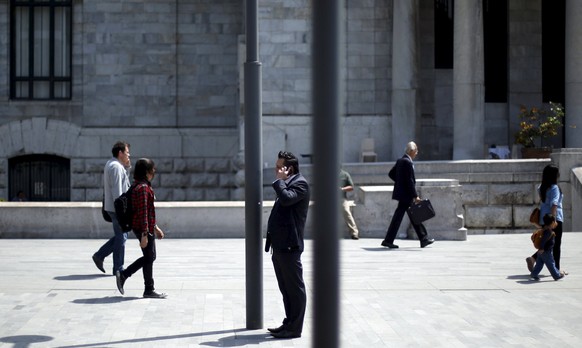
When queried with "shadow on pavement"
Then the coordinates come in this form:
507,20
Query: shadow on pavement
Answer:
518,276
81,276
23,341
237,341
152,340
105,300
524,279
392,250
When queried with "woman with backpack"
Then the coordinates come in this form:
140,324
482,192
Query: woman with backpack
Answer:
551,197
144,226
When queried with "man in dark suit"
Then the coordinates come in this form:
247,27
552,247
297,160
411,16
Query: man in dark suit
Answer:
285,236
405,193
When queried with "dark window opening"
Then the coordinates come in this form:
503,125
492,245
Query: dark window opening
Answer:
553,51
40,177
495,34
40,49
443,33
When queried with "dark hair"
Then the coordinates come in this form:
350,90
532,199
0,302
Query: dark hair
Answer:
143,166
119,146
549,219
550,177
289,160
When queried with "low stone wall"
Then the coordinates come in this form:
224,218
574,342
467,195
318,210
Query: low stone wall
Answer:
496,196
372,212
84,219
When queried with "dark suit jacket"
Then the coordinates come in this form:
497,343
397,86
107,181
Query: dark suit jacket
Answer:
287,220
404,180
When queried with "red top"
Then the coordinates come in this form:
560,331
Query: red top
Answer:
144,217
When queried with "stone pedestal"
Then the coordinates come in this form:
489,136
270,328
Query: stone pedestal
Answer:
375,207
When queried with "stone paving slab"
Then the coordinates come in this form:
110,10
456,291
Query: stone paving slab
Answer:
473,293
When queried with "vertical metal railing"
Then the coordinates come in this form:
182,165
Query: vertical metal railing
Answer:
327,18
253,172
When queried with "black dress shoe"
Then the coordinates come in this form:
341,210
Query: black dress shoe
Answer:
98,263
389,245
286,334
426,242
276,329
120,279
153,294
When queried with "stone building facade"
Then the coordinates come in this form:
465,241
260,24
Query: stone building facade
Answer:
166,76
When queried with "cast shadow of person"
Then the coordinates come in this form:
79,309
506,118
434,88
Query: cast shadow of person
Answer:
105,300
23,341
239,340
523,278
384,249
80,277
171,340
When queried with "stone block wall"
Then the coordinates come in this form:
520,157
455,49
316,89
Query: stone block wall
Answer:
285,51
175,64
165,76
188,168
161,75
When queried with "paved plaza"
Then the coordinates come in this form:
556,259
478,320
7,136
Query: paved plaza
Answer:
474,293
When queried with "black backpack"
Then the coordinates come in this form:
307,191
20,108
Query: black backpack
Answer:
124,209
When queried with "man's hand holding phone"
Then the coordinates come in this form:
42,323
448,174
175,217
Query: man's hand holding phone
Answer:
284,172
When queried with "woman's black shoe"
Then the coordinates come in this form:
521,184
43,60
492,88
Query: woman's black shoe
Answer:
153,294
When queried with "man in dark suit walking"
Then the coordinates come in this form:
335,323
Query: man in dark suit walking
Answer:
285,236
405,193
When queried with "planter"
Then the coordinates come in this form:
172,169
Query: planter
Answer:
536,152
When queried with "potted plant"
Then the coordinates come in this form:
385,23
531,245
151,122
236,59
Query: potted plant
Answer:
537,124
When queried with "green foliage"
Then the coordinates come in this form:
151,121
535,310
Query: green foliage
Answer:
538,123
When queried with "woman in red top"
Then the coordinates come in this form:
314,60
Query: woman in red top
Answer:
144,227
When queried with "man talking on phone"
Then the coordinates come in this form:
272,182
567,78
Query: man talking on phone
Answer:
285,237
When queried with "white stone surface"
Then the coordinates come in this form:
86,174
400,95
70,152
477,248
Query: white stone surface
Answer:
463,294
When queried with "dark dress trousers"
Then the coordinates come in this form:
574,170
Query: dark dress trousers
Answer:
285,236
404,192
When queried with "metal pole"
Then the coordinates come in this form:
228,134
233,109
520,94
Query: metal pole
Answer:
326,143
253,172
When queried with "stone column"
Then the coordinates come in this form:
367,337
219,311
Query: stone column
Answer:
468,81
573,74
405,96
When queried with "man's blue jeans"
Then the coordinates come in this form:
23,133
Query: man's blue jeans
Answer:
115,245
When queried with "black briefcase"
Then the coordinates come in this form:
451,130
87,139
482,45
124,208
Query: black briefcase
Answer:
420,212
